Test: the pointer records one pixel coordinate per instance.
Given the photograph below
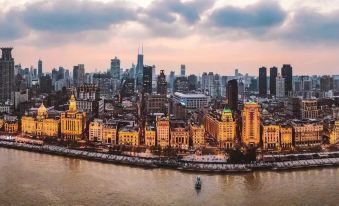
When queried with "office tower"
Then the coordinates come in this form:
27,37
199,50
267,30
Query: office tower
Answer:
181,84
241,89
139,69
6,74
286,73
192,82
183,70
232,94
127,87
46,84
147,80
154,78
78,75
210,83
262,82
171,80
162,83
115,68
204,81
273,76
325,83
251,124
254,84
39,68
280,87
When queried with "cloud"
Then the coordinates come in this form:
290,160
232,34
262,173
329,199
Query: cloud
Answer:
260,16
75,16
312,27
11,28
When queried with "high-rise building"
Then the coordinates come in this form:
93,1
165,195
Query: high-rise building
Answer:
147,80
115,68
262,82
273,76
181,84
6,74
183,70
286,73
251,124
192,82
325,83
232,94
280,86
40,68
127,87
78,74
204,81
162,83
139,70
171,80
46,84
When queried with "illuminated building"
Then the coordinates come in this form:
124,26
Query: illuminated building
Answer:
73,123
150,134
331,131
251,124
109,134
286,136
309,109
179,138
41,125
270,135
197,133
10,124
129,136
95,130
88,100
191,100
221,126
163,131
307,133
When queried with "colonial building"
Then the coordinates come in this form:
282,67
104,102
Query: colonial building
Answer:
179,138
307,133
286,138
88,100
10,124
251,124
129,136
150,136
331,131
73,122
40,126
197,133
163,131
270,134
309,109
221,126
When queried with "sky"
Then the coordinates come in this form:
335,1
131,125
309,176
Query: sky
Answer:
205,35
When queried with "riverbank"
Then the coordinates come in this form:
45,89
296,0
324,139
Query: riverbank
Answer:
161,162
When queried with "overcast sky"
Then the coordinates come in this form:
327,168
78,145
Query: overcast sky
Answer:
206,35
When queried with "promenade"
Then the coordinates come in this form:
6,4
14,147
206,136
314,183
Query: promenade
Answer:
194,165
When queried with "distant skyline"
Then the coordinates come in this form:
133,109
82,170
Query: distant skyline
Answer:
209,35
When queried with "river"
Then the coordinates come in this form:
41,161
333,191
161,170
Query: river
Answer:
28,178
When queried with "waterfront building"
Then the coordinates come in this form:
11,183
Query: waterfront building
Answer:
262,82
286,72
232,94
179,137
7,80
309,109
73,122
40,126
191,100
307,133
251,124
331,131
286,137
270,135
162,83
221,126
163,131
150,136
129,135
95,130
197,133
273,76
10,124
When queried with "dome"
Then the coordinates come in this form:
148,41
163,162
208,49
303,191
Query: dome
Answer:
72,104
42,111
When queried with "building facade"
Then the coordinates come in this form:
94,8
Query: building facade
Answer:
163,131
251,124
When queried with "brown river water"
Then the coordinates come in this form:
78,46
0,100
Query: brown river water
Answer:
28,178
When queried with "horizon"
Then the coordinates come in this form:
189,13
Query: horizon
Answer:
216,36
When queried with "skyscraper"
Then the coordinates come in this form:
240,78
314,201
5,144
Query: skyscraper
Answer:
232,94
273,76
325,83
183,70
6,74
286,73
147,80
171,80
162,83
251,124
78,75
139,69
262,82
115,68
280,87
39,68
192,82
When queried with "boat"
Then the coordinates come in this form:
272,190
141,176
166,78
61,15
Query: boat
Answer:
198,183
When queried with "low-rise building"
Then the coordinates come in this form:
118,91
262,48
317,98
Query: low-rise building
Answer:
307,133
270,134
179,138
163,131
331,131
197,133
286,137
150,136
129,136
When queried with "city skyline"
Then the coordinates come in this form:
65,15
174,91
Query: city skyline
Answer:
264,33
